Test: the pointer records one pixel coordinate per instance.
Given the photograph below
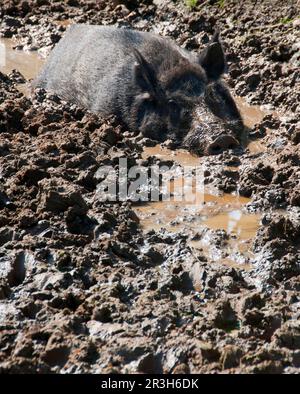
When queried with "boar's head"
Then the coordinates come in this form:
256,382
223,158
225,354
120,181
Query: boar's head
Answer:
187,101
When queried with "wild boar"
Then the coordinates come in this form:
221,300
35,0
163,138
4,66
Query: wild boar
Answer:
149,82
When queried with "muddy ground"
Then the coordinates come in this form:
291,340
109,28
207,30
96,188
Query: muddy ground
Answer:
84,286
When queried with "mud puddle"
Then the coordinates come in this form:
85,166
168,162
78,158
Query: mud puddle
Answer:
211,212
27,63
252,115
63,22
217,213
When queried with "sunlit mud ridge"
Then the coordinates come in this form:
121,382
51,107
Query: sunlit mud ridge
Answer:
112,287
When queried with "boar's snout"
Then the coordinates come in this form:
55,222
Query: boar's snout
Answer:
210,135
222,143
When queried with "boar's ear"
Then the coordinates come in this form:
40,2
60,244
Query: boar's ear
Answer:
212,59
143,73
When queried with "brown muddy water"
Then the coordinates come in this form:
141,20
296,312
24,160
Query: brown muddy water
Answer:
27,63
216,212
212,211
